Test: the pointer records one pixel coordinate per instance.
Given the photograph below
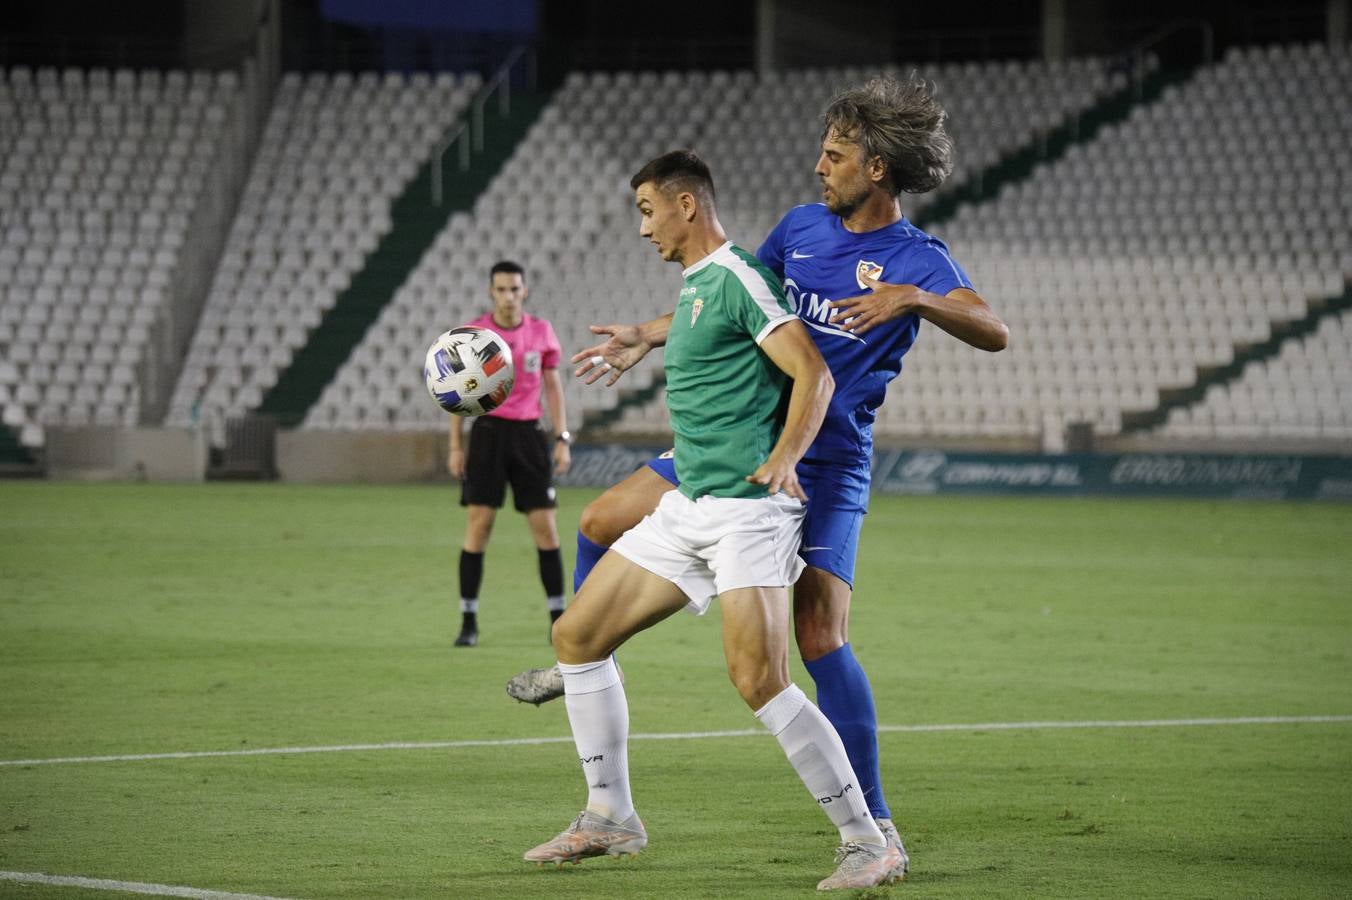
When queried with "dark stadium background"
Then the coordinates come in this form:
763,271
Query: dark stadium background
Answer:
352,34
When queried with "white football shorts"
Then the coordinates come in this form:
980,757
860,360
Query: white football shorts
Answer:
717,544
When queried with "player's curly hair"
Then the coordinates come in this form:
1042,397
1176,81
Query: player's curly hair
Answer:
900,122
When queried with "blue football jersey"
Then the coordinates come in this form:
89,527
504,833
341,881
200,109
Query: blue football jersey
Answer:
820,261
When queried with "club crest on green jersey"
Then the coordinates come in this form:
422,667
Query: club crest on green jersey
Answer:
695,310
867,269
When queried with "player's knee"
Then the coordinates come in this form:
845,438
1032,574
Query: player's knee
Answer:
599,523
568,640
757,681
574,643
817,635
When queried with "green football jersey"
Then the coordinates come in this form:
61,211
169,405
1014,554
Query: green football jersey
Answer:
727,399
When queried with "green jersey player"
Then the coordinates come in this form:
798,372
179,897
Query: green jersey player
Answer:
732,530
724,400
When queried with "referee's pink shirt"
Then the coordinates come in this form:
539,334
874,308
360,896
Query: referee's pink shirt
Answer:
534,349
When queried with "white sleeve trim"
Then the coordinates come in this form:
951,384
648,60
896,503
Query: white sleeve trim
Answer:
754,284
772,325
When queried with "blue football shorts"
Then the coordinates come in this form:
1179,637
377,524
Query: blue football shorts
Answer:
837,502
665,465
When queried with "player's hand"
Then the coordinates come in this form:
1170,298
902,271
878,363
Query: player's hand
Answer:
563,458
883,303
778,476
455,464
623,348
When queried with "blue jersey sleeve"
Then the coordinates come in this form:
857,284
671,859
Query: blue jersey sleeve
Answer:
933,269
771,253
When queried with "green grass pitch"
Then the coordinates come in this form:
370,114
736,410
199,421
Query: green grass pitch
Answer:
150,619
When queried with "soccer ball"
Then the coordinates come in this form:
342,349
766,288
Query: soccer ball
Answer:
469,371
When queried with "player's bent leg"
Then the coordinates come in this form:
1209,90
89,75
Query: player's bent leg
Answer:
821,613
821,603
755,642
619,508
598,712
622,506
619,599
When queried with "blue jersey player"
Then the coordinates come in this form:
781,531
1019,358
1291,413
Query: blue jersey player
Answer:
861,278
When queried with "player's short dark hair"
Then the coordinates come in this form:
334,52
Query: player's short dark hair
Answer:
900,122
675,172
507,267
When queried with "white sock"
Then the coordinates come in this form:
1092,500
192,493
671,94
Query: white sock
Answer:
817,755
599,714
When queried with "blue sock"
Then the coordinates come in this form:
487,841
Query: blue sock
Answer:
844,697
588,554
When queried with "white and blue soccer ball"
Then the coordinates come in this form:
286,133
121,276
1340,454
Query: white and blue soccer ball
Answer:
469,371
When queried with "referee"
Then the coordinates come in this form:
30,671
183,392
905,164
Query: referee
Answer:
510,446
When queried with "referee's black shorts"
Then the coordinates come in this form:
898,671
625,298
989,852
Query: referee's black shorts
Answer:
506,451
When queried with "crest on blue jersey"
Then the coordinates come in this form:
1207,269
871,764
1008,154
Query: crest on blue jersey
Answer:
867,268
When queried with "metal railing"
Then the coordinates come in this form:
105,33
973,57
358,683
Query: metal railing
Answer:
469,134
1138,52
457,135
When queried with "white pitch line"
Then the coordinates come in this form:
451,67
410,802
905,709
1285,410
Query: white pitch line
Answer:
130,887
680,736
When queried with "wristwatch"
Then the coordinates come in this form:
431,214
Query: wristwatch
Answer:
565,437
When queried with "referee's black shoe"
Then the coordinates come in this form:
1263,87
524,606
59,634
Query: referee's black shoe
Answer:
469,637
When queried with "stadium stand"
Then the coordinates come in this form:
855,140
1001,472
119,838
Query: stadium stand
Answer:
317,203
1180,270
1146,259
1304,391
1152,254
564,210
100,175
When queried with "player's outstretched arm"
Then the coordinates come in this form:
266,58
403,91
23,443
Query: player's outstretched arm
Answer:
623,347
961,312
792,350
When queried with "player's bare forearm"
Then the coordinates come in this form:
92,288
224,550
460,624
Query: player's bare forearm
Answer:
808,401
791,349
961,312
655,332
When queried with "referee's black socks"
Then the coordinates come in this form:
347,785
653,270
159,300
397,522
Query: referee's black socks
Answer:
551,576
471,576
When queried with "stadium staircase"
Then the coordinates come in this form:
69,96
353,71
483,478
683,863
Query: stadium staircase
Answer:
983,185
416,224
1244,355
